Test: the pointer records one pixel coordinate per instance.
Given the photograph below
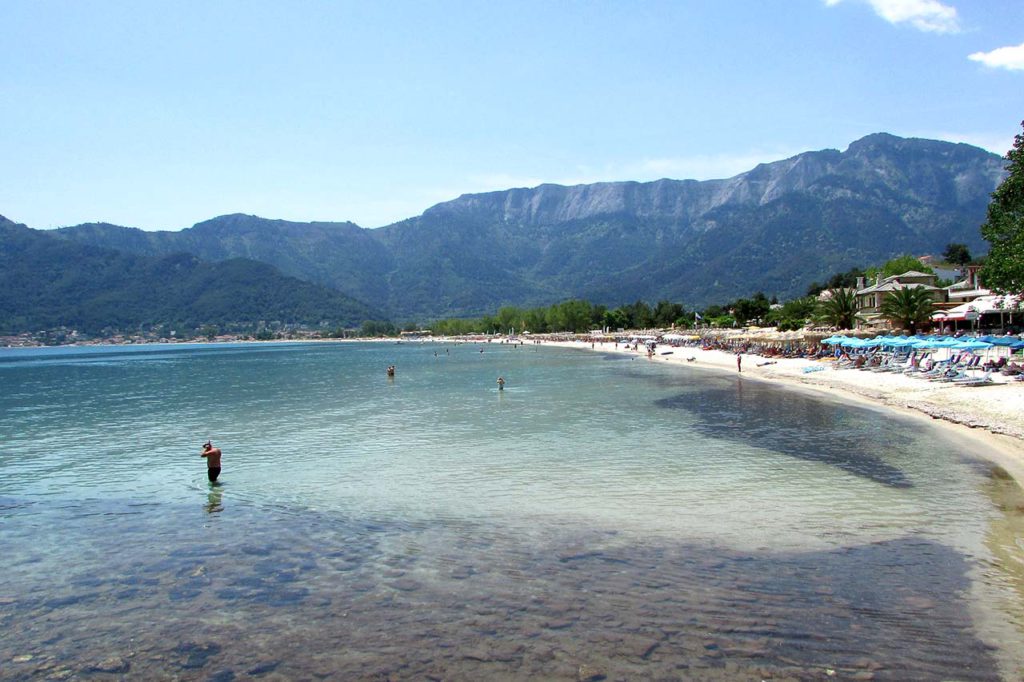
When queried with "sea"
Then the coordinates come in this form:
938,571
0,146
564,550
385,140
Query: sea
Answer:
603,516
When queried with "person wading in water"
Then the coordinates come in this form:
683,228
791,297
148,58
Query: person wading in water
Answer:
212,456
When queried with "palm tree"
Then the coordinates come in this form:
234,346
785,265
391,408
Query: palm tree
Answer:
839,309
909,307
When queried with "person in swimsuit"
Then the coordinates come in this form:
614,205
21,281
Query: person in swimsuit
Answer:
212,456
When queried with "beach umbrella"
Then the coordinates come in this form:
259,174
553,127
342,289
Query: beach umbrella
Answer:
936,343
1003,340
971,345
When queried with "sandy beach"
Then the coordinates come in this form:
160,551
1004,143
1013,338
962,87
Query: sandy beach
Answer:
990,416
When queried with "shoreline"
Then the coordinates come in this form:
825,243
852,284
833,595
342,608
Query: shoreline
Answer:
988,417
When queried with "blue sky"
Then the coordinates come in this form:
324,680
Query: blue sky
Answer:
161,114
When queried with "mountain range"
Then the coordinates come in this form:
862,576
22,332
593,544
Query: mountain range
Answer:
47,283
775,229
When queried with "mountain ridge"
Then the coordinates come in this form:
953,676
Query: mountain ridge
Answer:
774,228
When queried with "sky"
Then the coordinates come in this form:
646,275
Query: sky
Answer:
159,115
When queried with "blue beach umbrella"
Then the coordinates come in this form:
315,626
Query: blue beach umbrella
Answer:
937,343
971,345
1003,341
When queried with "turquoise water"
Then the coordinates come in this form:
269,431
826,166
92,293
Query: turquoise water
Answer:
634,519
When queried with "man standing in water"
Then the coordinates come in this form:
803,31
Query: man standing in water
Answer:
212,456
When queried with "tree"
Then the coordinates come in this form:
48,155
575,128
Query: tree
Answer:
639,315
840,280
899,265
957,254
908,307
793,314
666,313
747,309
510,317
839,309
615,319
1003,270
377,328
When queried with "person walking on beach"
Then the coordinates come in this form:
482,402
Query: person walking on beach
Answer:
739,362
212,456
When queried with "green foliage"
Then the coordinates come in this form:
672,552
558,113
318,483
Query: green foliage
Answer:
747,310
638,315
839,309
573,316
908,308
373,328
666,314
1003,270
898,266
957,254
616,319
792,315
722,321
48,283
842,280
457,327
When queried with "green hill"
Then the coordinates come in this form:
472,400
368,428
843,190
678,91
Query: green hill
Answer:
46,282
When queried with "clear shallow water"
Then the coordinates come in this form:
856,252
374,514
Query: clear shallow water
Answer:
634,519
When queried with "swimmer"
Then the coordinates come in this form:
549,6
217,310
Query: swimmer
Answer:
501,383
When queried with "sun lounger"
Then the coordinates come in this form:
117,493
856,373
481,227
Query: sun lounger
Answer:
984,380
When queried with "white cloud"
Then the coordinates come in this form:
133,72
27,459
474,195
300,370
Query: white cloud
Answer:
925,15
1011,58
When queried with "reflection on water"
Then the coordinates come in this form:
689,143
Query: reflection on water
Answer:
795,425
599,518
215,499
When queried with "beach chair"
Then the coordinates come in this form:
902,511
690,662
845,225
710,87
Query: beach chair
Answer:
937,369
960,371
984,380
951,374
